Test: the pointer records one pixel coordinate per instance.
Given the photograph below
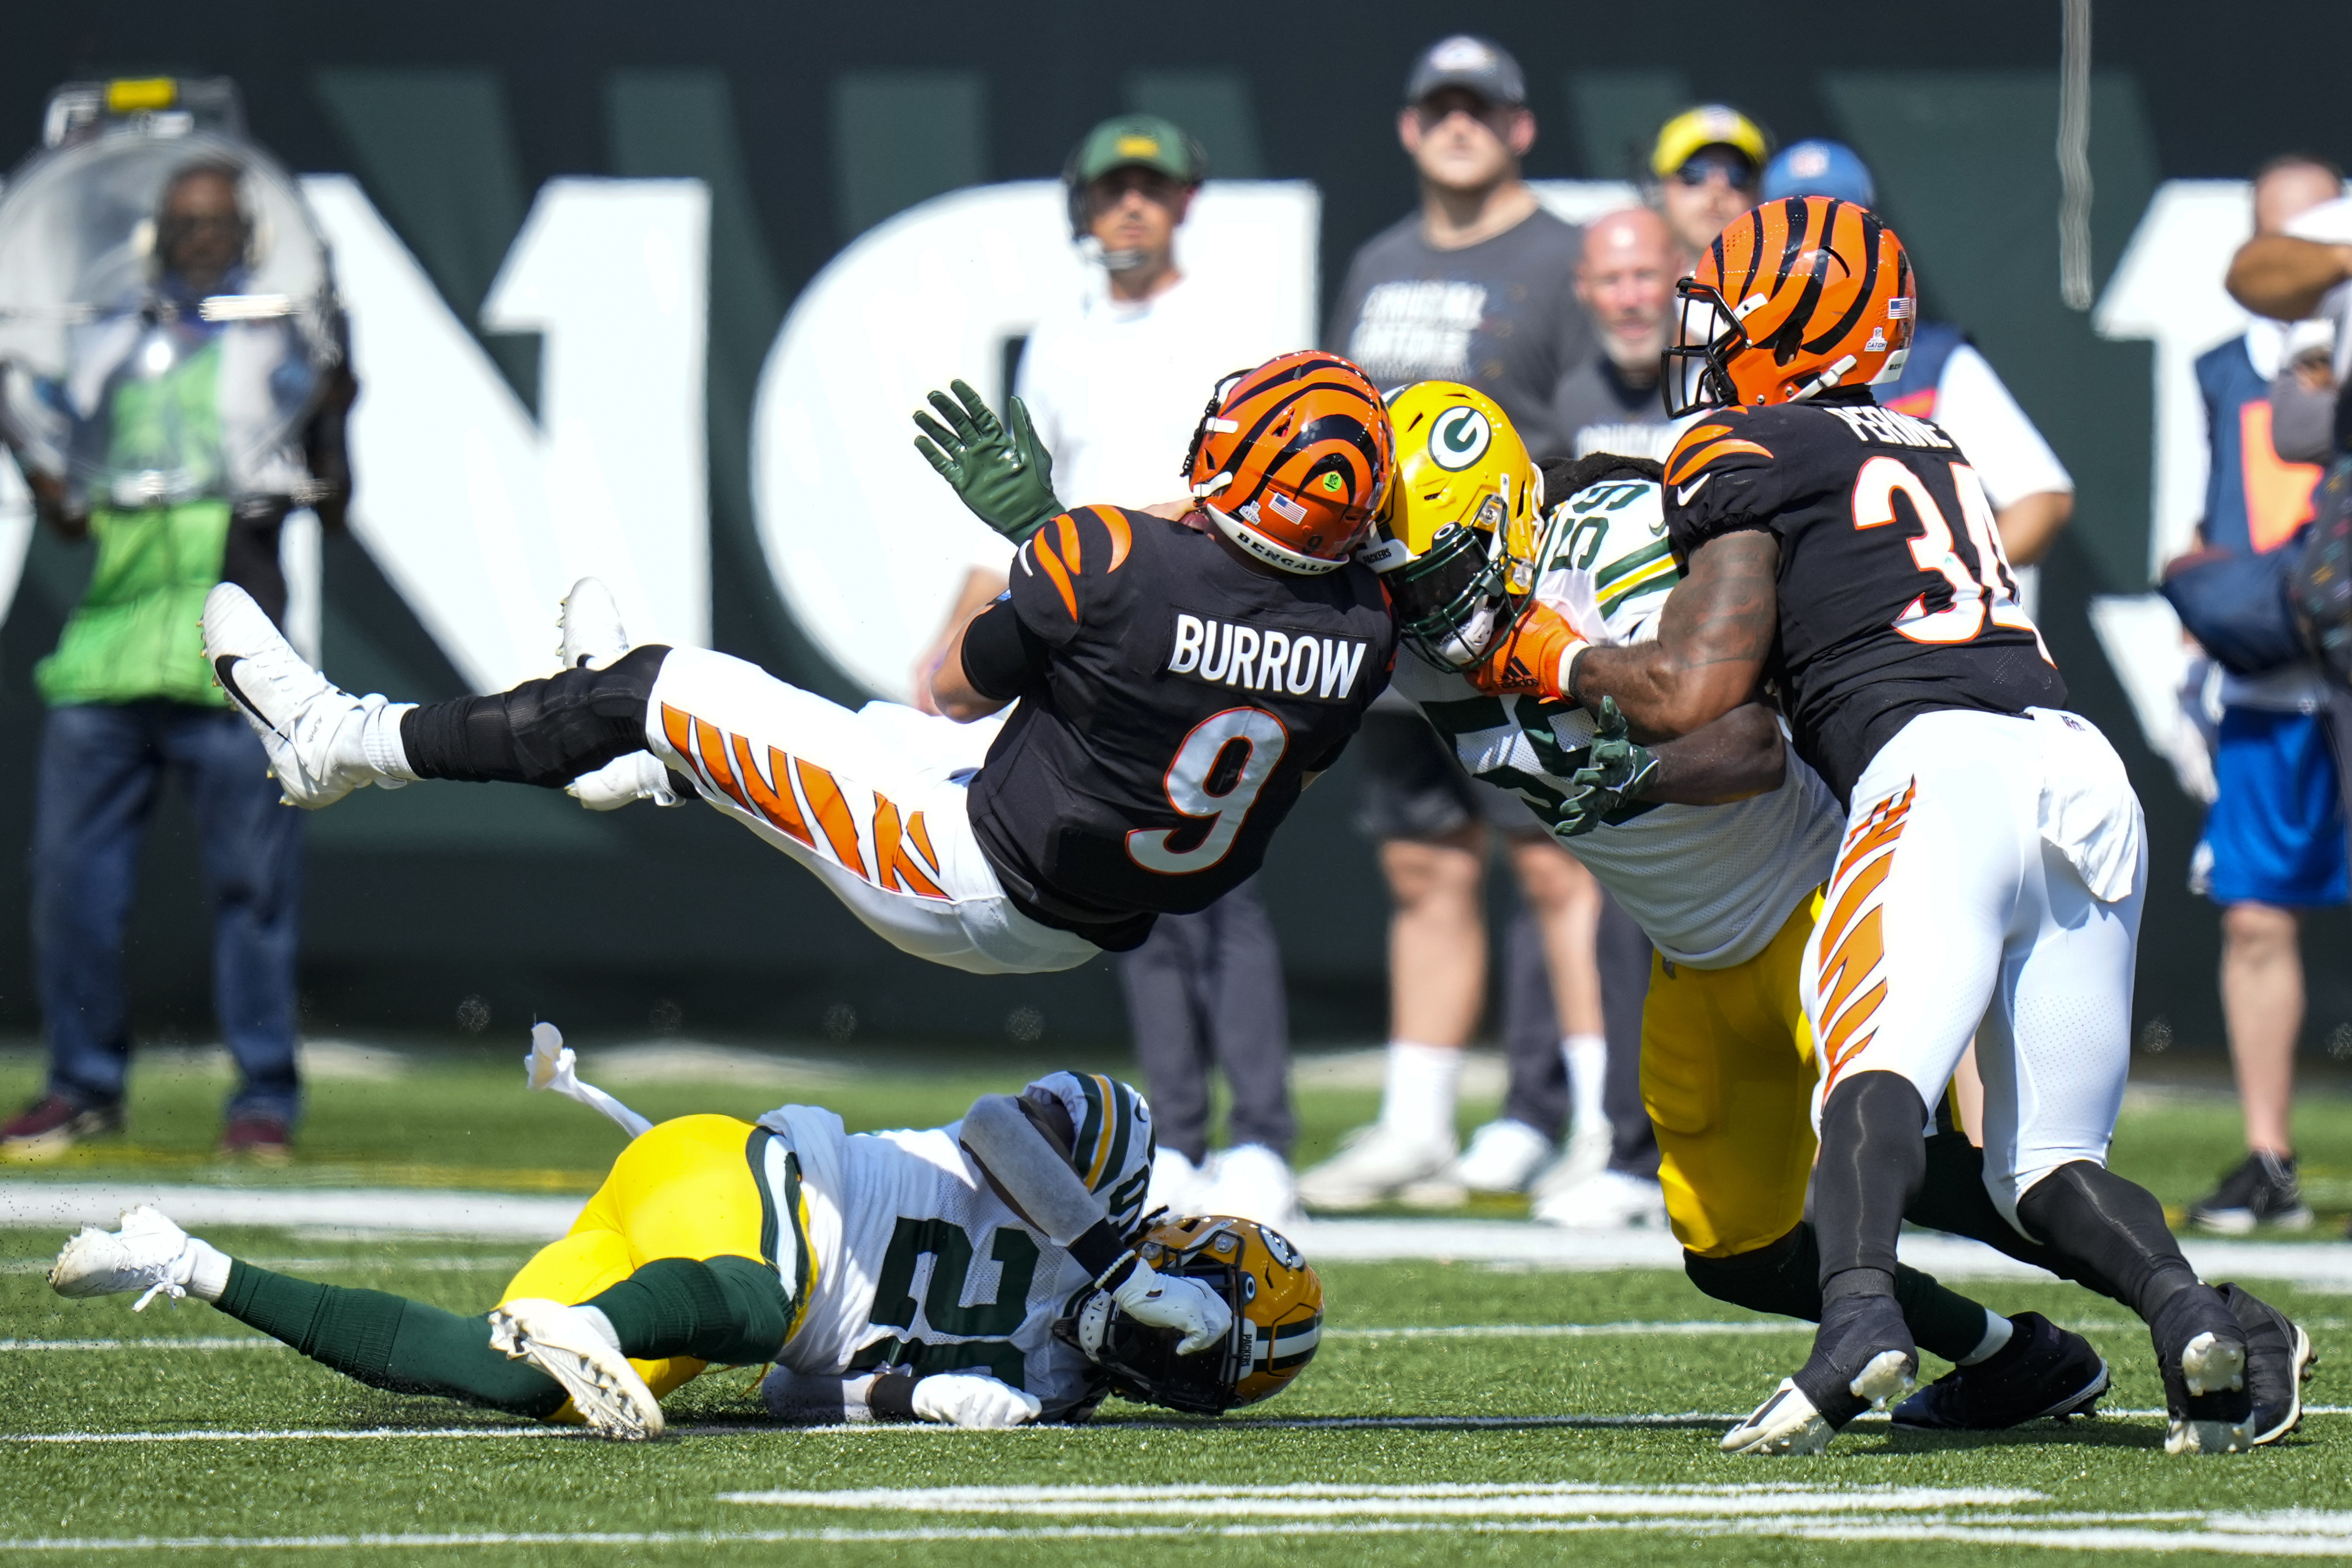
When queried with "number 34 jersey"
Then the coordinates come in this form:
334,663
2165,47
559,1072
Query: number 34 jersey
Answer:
1895,597
1182,700
917,1262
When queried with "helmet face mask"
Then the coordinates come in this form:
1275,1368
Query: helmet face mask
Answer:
1277,1302
1696,364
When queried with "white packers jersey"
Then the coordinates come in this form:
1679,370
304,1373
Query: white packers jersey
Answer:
1710,885
919,1263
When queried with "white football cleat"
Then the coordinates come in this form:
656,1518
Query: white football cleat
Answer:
1250,1181
1176,1183
1787,1423
2209,1364
1502,1156
311,729
147,1252
1607,1200
605,1389
589,627
1374,1162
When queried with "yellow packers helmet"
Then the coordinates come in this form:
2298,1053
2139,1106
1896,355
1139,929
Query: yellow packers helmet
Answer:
1464,504
1278,1306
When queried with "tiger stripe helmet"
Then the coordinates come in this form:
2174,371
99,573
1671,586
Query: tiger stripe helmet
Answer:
1794,297
1290,460
1278,1306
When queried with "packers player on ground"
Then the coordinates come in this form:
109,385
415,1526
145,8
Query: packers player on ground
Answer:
1180,675
792,1241
1993,864
1717,844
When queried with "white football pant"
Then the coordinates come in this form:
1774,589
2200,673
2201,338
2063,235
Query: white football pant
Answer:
873,802
1988,885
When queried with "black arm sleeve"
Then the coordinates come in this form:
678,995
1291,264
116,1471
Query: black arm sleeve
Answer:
1002,657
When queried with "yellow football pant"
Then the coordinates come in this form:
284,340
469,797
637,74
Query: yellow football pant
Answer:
1727,1072
681,1189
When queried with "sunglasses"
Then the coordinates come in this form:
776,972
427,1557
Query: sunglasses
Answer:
1737,171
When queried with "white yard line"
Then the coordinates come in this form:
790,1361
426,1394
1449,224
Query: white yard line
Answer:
35,1204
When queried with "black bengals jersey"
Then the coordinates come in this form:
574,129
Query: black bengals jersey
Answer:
1895,597
1172,700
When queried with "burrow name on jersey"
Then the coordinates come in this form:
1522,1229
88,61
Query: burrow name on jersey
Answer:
1888,428
1253,660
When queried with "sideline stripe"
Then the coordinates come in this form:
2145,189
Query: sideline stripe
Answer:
225,1341
323,1265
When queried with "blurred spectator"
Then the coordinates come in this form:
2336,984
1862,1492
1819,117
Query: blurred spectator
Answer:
130,698
1705,161
1948,381
1476,286
1115,382
2274,839
1613,402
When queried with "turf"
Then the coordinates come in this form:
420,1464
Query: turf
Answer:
1556,1420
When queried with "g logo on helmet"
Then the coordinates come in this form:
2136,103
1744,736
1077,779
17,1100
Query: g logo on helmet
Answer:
1459,437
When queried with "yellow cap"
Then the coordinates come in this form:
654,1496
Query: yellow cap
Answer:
1708,125
130,95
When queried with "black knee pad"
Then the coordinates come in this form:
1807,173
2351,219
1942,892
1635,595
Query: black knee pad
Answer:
2111,1230
546,732
1782,1276
1873,1157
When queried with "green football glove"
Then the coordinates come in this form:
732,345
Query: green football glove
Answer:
1614,772
1006,476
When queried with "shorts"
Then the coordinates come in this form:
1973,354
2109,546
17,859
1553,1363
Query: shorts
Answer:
1727,1073
1414,788
2276,834
682,1188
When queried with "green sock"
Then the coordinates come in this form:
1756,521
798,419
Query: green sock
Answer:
388,1342
730,1311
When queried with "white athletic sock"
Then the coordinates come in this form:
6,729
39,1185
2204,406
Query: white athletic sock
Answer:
1997,1332
603,1325
1419,1099
207,1269
1587,1056
379,740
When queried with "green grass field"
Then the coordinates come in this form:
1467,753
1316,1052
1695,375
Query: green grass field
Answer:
1455,1412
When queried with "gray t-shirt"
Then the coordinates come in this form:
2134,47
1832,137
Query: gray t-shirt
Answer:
1501,315
1595,410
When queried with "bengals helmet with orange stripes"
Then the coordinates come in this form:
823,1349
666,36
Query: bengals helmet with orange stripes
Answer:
1290,460
1794,297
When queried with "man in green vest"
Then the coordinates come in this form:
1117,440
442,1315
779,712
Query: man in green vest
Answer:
168,476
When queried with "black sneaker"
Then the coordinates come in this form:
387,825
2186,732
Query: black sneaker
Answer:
2043,1370
2262,1191
2201,1351
1862,1355
2279,1358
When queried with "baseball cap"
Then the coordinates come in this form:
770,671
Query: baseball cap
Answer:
1139,141
1486,68
1820,168
1708,125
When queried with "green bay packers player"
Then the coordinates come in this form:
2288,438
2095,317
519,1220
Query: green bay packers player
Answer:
1717,844
1174,681
719,1241
1993,864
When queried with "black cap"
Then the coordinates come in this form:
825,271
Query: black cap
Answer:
1482,65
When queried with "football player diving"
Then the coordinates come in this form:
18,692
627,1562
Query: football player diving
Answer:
1717,844
1176,677
1990,877
719,1241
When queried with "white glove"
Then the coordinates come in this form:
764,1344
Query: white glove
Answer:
639,776
973,1400
551,1066
1174,1301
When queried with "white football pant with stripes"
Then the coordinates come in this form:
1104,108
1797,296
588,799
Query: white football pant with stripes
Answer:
873,802
1989,885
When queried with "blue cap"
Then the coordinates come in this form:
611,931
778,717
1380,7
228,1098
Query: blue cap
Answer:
1820,168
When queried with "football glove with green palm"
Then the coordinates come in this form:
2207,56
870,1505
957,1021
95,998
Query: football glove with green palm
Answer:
1004,475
